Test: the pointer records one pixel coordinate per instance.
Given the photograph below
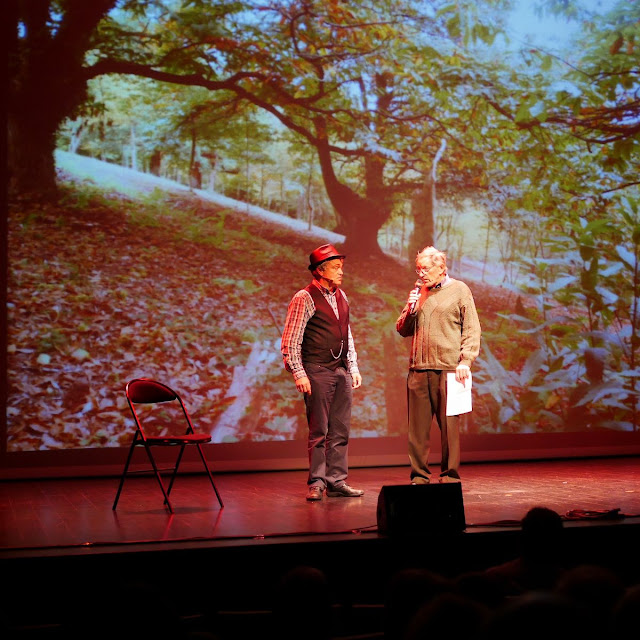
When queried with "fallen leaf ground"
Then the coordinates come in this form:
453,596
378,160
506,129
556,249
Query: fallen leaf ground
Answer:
103,289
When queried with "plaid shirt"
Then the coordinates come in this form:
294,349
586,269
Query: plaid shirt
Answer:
301,308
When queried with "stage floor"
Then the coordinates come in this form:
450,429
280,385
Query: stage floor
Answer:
69,516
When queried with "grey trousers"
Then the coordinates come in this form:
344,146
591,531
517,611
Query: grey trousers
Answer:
427,399
329,419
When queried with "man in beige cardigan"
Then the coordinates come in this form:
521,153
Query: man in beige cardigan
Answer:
441,317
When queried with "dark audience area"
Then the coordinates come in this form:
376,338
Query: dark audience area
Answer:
540,592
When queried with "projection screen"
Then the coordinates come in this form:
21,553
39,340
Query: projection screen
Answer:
216,145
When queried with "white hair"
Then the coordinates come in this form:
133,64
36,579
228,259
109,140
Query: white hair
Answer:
433,256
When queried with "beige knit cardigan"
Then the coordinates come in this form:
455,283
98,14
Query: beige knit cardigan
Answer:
445,328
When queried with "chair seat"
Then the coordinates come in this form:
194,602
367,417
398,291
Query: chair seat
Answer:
189,438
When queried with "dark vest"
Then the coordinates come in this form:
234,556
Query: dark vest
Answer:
325,334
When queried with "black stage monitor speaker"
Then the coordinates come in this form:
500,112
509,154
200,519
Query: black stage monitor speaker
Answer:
422,509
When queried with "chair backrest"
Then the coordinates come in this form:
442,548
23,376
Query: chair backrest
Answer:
147,391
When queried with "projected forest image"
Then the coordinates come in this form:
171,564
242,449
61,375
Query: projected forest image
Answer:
172,163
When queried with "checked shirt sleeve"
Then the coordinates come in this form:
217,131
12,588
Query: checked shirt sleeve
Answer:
301,308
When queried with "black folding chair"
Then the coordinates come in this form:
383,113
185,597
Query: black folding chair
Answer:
147,391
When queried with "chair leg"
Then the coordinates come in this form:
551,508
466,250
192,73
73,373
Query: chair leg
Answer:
158,477
213,484
124,475
175,468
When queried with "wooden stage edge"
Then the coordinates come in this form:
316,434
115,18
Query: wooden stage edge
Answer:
62,544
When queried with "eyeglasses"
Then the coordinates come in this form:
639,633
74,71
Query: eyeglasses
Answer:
421,270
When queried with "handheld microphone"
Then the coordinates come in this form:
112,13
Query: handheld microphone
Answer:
417,286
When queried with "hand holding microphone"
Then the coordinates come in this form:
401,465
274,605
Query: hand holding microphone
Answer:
414,295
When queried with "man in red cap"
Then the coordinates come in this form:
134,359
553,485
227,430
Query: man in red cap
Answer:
318,349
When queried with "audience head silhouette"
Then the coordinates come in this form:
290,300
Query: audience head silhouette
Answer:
298,590
541,534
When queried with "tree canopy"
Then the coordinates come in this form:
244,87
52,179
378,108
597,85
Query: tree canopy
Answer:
376,88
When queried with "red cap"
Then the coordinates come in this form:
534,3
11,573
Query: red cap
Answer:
322,254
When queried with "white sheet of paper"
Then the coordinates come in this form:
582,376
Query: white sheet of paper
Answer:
458,395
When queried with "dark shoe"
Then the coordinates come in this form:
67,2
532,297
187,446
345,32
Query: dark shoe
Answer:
420,480
449,479
314,493
344,491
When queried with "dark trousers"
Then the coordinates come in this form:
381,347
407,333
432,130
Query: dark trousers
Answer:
329,419
427,398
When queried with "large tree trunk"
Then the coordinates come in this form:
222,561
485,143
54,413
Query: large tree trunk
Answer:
30,155
46,83
359,217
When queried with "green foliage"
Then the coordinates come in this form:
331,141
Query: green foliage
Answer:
585,366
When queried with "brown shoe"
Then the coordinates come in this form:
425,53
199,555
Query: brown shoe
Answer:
314,493
420,480
344,491
449,479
